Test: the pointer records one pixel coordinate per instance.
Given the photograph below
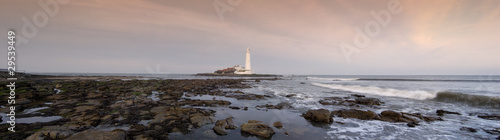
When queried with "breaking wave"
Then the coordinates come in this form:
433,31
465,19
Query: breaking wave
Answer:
427,80
444,96
472,100
419,95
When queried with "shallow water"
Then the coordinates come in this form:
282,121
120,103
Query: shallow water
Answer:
417,95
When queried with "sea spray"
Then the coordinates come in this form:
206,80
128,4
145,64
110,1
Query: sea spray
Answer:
418,94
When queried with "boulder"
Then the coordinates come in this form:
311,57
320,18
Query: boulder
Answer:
99,135
258,129
320,115
358,114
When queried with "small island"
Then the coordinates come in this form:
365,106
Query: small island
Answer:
238,70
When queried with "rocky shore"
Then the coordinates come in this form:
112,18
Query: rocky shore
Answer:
156,109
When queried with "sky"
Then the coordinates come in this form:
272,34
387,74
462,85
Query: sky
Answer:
425,37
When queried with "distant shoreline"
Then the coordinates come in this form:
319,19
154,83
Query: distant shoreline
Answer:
238,75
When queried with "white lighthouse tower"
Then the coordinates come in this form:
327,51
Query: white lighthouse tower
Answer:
248,65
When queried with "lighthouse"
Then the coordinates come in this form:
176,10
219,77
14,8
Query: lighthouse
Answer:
248,66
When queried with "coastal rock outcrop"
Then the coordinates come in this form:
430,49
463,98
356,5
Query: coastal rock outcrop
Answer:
358,114
259,129
320,115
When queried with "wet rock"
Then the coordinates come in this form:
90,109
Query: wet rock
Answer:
221,126
234,107
84,108
199,119
258,129
94,95
468,129
22,101
332,101
50,134
320,115
495,131
393,116
282,105
368,101
278,124
358,114
412,124
290,95
99,135
490,117
442,112
357,95
421,117
246,96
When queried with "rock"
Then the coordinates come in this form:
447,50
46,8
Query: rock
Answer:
442,112
357,95
290,95
368,101
358,114
393,116
468,129
230,123
278,124
234,107
221,126
320,115
93,95
412,124
99,135
490,117
84,108
51,132
495,131
199,119
107,119
282,105
258,129
22,101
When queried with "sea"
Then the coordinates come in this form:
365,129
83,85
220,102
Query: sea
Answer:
469,95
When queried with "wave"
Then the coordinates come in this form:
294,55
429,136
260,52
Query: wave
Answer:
426,80
443,96
419,95
472,100
332,79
